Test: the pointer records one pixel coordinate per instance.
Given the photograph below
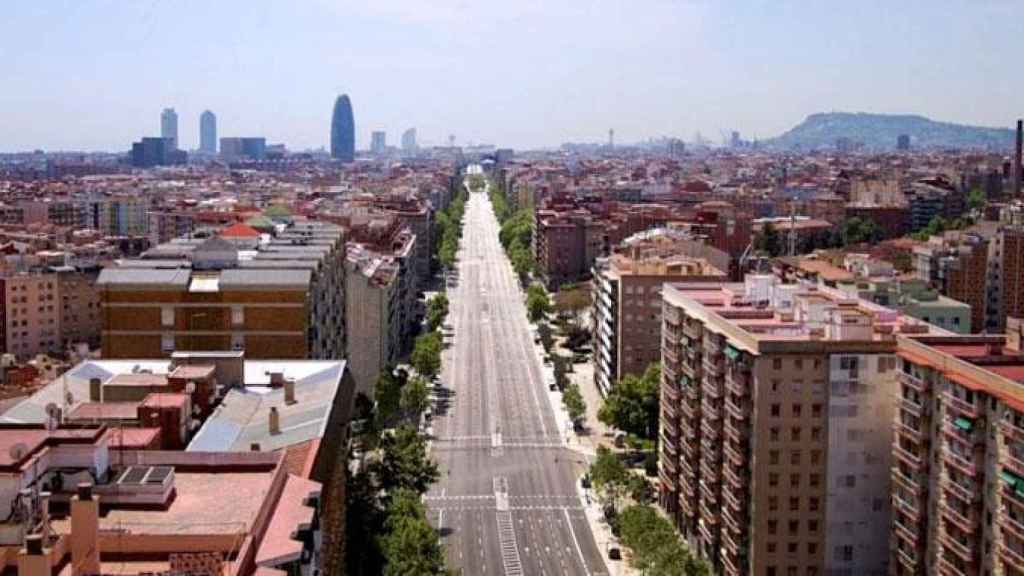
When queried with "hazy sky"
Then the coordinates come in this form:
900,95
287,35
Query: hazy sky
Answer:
94,74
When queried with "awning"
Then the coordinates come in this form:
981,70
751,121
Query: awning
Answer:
963,424
731,353
684,380
1008,478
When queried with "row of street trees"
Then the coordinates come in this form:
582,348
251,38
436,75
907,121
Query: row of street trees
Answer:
449,228
516,232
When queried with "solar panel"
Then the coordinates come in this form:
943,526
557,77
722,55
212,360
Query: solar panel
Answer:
133,475
158,474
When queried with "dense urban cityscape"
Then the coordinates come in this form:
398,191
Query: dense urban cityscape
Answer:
405,343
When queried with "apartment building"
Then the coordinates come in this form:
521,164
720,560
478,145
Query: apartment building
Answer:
775,437
273,298
956,264
565,245
627,299
31,314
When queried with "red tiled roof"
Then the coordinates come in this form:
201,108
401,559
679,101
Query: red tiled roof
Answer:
240,230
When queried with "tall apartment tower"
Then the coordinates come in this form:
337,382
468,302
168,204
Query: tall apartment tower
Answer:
409,140
958,455
1016,159
169,127
208,133
378,142
775,428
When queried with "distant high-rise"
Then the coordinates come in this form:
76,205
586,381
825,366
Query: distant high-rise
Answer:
208,133
378,142
409,140
169,127
343,130
903,142
1017,177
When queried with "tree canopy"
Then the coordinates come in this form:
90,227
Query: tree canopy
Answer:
426,354
410,544
537,303
657,549
632,403
574,403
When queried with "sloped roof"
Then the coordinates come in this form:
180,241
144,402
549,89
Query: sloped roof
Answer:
240,230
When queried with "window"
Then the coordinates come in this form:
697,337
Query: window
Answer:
796,410
794,458
167,316
815,456
812,526
773,526
776,363
850,481
813,503
167,342
816,410
794,504
776,410
773,503
815,480
816,433
775,386
771,548
798,363
794,526
773,433
773,457
794,433
773,479
812,549
794,480
237,342
237,315
843,553
791,547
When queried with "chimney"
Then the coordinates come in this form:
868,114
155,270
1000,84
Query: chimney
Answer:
33,561
275,421
1016,159
289,391
85,524
276,379
95,388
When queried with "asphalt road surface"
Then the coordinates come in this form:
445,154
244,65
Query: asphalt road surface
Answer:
506,502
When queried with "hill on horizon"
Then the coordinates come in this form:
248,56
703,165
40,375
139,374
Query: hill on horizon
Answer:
880,131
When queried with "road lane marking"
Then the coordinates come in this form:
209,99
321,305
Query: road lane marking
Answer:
509,547
576,543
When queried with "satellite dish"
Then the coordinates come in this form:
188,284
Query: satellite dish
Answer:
18,451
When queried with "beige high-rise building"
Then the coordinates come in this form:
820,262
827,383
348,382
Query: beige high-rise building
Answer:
776,404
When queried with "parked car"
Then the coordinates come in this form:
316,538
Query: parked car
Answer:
614,554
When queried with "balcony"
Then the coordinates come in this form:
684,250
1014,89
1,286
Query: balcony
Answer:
669,393
687,368
908,558
1011,429
901,427
692,330
729,496
968,463
913,382
669,412
688,410
735,479
912,406
965,518
708,493
670,355
964,492
908,457
711,472
712,387
710,430
966,431
688,431
906,480
670,465
960,406
962,548
1012,494
708,532
1010,524
730,523
670,482
1013,556
685,467
906,530
713,365
710,410
737,384
729,568
948,568
1011,462
733,455
686,487
739,411
713,346
710,517
908,506
736,431
668,444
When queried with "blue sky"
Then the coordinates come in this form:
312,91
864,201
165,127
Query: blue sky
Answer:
94,74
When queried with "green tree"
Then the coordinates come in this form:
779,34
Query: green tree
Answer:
388,393
404,462
656,546
415,397
426,354
769,241
574,403
409,544
610,477
537,303
632,403
572,302
437,310
364,520
976,199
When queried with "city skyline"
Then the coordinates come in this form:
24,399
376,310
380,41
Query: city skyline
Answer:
756,68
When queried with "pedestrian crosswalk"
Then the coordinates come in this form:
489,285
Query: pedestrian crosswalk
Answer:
509,548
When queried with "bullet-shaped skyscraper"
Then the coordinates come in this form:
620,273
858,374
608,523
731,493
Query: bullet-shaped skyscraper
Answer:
208,133
343,130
